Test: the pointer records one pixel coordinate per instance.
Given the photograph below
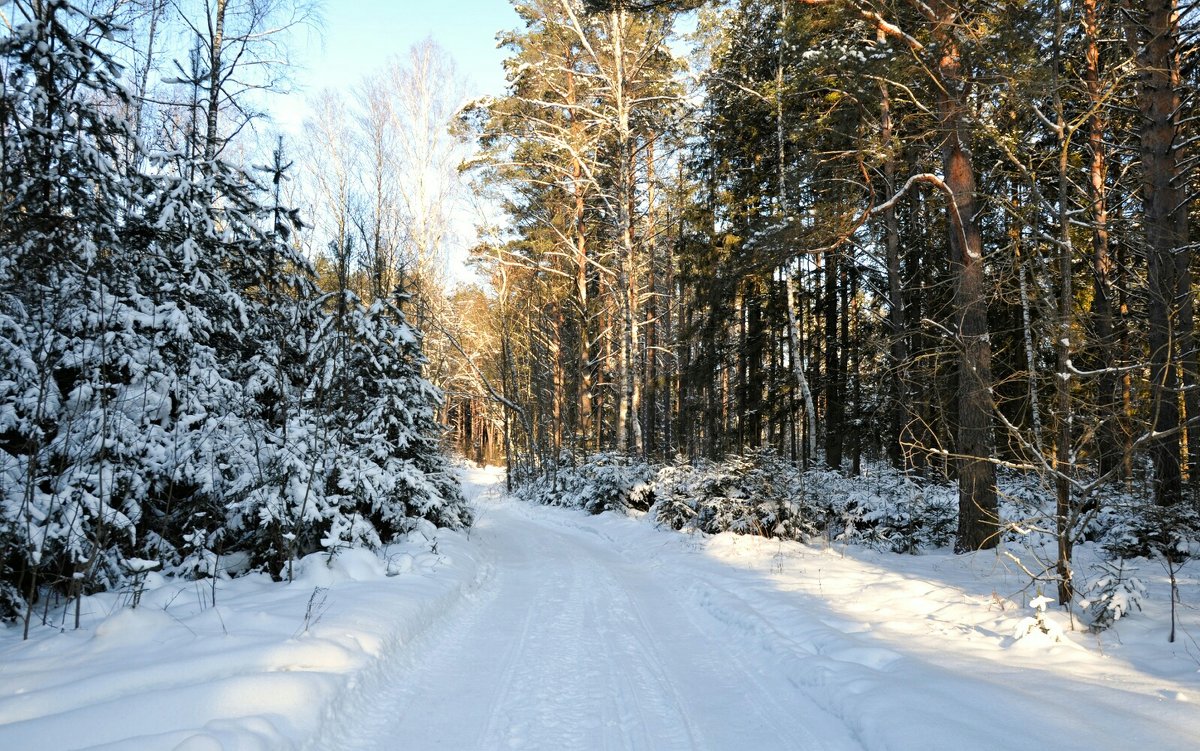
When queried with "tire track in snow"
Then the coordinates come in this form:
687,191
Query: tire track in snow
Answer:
655,682
531,695
640,586
511,664
577,643
704,644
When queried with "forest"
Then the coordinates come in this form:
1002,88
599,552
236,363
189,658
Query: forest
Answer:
939,243
747,261
180,390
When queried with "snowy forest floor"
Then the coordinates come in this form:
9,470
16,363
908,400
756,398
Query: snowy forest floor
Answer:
551,629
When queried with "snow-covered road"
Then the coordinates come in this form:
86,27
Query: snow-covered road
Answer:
572,645
605,633
551,629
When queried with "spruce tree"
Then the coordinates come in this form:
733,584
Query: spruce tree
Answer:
73,395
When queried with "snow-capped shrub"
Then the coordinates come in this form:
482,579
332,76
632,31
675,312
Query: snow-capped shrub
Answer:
675,503
1112,595
760,493
1105,513
1027,507
1036,625
1148,530
604,482
885,509
757,494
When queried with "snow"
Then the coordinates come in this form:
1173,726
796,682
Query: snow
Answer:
262,669
141,565
548,628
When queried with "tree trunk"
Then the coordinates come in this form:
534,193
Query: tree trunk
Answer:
853,347
901,413
558,414
651,370
217,38
834,406
633,341
1108,436
797,360
1165,217
978,509
579,230
1063,460
628,429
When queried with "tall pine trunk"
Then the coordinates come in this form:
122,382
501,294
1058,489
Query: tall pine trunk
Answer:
1109,435
978,509
901,412
1165,223
835,408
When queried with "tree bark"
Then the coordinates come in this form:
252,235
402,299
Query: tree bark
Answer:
579,230
901,412
1109,435
978,509
1165,223
797,361
217,39
834,393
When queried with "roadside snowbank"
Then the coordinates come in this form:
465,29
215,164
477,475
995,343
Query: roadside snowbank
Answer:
263,668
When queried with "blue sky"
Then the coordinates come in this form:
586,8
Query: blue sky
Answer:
360,35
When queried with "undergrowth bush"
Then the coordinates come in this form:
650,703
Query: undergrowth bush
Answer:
759,493
604,482
887,510
1113,594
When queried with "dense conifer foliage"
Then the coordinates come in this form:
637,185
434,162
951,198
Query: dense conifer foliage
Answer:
175,390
